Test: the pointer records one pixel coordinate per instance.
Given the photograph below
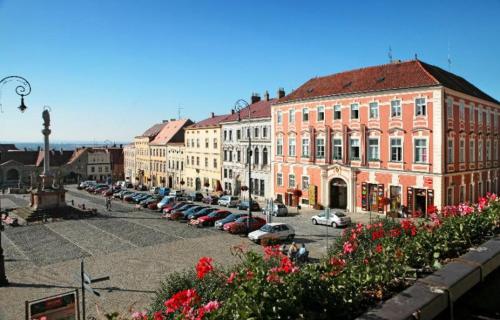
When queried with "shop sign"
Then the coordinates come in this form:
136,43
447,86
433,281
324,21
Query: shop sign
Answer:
59,307
428,182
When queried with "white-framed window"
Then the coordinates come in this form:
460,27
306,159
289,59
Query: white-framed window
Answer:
337,112
396,150
420,107
462,194
451,150
305,147
373,106
264,132
471,113
291,116
479,116
305,182
354,111
255,132
488,117
472,150
279,146
461,151
305,114
395,108
449,196
488,150
461,108
279,117
449,107
354,154
291,146
321,113
291,180
320,148
373,149
495,150
279,179
337,149
480,150
420,150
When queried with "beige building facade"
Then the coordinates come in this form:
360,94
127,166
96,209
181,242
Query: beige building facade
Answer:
175,165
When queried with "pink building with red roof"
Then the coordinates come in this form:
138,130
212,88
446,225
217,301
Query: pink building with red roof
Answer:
406,133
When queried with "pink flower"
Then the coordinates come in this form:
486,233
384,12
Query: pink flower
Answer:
211,306
139,315
231,278
348,247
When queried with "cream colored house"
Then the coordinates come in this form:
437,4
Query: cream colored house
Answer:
129,163
143,153
175,165
203,167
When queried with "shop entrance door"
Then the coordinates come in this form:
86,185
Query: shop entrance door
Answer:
338,194
421,201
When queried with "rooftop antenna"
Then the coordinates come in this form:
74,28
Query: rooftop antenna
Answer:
390,54
416,57
449,57
179,108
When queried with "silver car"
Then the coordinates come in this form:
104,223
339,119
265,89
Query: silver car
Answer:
278,210
337,219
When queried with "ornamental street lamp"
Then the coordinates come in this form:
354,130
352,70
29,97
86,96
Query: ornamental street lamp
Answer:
22,89
238,107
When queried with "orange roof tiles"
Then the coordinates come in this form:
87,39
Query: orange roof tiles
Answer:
209,122
171,132
260,109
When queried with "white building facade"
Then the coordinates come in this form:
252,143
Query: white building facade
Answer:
129,162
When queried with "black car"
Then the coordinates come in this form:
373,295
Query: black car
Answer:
243,205
195,196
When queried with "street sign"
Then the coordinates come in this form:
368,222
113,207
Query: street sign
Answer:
86,278
86,282
59,307
90,289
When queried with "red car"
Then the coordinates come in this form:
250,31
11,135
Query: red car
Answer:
241,225
173,206
209,219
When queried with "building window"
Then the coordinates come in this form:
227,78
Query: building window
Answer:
291,181
373,149
373,106
472,151
320,148
256,156
238,156
451,151
462,194
449,196
354,149
225,155
230,156
215,163
420,107
449,107
197,143
395,108
421,151
480,150
461,151
197,161
305,147
471,193
461,109
256,132
471,113
305,182
230,173
225,173
264,157
279,117
396,150
206,142
488,150
279,147
291,147
321,113
215,143
279,179
337,149
354,111
305,115
238,135
337,112
479,116
291,116
264,132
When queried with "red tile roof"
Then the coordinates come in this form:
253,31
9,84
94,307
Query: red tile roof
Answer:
57,157
261,109
154,130
209,122
399,75
172,132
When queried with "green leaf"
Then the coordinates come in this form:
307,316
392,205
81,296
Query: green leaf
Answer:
436,255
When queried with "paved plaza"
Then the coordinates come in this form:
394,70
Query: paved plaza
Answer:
135,248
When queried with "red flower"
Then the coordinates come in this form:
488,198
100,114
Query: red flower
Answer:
409,226
250,275
231,278
158,315
182,299
274,277
348,247
377,234
379,248
272,251
395,232
203,267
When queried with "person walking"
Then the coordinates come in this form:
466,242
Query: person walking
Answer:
108,203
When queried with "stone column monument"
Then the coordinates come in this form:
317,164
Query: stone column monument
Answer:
46,196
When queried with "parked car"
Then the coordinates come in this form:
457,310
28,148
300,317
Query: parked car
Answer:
210,219
336,219
173,206
195,196
118,194
190,211
179,212
86,184
141,198
203,212
129,197
228,201
101,189
230,218
152,200
210,200
166,200
140,187
242,226
243,205
129,185
177,193
276,231
126,193
277,210
163,191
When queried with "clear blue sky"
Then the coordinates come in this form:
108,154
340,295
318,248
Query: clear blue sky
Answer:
110,69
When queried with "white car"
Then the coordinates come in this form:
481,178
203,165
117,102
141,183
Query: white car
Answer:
228,201
337,219
275,231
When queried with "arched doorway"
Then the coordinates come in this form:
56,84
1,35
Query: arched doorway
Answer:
12,175
338,193
198,184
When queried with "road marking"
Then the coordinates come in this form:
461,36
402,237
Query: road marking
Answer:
18,249
111,234
68,239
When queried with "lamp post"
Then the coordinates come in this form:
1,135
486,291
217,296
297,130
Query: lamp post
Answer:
238,107
22,89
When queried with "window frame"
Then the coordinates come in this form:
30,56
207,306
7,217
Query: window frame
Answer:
370,156
400,147
415,139
305,114
354,111
318,148
398,115
370,109
351,153
320,110
337,112
421,108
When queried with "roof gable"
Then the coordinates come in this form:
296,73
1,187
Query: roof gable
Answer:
260,109
171,132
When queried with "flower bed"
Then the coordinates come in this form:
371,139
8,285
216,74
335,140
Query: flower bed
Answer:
368,264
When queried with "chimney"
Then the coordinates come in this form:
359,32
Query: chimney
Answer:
232,111
266,95
212,114
281,93
255,98
121,146
164,121
172,119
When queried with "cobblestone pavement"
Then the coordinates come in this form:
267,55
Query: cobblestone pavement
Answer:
135,248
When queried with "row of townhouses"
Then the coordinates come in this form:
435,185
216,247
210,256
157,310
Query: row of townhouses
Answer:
400,134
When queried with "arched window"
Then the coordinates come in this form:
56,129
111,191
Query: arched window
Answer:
256,156
264,157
